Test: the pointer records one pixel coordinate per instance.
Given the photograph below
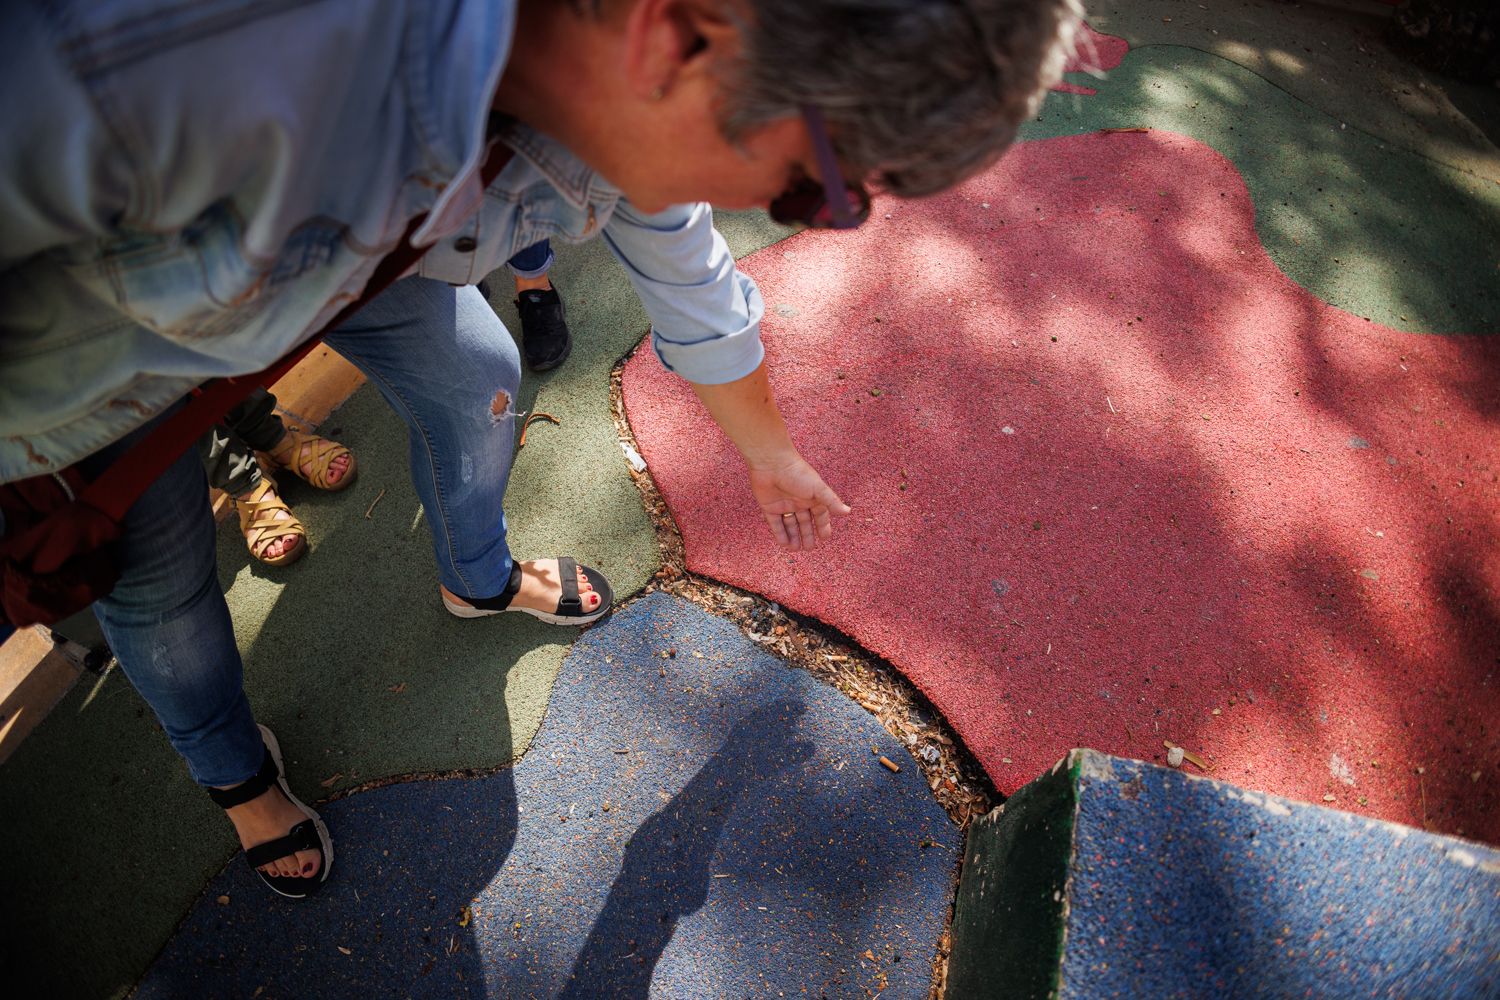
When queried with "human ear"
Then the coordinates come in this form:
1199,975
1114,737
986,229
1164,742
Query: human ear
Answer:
669,43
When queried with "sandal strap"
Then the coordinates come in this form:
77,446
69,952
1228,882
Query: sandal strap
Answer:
267,521
264,516
570,603
502,600
302,837
268,775
258,517
312,450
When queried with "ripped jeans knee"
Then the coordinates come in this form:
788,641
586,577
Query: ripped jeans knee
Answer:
502,407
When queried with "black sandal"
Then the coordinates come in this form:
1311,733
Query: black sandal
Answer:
310,835
569,609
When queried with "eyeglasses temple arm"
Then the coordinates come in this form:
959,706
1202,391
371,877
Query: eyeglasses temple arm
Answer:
834,188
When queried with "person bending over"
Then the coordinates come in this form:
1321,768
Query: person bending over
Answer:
189,195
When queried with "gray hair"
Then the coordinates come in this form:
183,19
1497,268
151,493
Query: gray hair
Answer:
921,94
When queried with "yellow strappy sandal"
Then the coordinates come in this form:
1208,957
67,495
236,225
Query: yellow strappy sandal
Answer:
308,457
261,526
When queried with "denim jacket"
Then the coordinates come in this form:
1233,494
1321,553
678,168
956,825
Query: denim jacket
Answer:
189,190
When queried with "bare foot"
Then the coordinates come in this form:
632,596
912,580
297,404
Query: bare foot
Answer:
541,588
266,818
337,468
533,285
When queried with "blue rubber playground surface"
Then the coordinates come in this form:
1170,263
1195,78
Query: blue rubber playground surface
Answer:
693,819
1184,887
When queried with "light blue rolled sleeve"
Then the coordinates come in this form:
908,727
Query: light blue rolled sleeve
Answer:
705,313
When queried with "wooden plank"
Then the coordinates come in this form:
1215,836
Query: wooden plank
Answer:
33,679
316,387
305,397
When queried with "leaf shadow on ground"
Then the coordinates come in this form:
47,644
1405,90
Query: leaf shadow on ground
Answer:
1232,593
1338,58
1384,232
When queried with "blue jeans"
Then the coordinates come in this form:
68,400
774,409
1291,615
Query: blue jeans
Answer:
445,363
533,262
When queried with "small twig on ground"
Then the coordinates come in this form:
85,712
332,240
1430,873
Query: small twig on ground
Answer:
371,509
527,426
1137,128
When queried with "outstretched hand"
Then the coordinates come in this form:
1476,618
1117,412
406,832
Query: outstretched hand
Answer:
798,506
796,503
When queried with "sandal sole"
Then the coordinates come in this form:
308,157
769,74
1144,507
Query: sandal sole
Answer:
601,587
464,611
326,841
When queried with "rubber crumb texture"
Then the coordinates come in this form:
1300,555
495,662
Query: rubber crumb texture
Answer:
1336,56
1117,481
1395,233
694,819
1182,887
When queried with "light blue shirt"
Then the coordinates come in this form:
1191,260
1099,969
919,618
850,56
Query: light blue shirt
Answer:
191,190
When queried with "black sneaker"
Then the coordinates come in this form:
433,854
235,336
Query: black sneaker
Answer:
544,331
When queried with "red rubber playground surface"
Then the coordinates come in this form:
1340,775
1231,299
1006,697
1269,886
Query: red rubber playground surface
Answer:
1118,481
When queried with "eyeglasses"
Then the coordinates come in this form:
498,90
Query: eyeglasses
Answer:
822,205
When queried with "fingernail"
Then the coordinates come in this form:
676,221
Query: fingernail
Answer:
307,868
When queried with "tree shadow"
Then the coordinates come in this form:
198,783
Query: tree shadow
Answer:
1395,235
1176,497
1330,56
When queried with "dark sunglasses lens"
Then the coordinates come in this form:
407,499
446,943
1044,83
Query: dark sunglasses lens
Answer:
806,204
799,204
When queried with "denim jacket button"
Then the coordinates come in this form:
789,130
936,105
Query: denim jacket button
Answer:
465,244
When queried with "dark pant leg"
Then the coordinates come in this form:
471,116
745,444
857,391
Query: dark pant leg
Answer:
228,450
256,422
229,461
167,622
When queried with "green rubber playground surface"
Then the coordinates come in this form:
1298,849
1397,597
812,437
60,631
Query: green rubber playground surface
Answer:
1332,55
1365,224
